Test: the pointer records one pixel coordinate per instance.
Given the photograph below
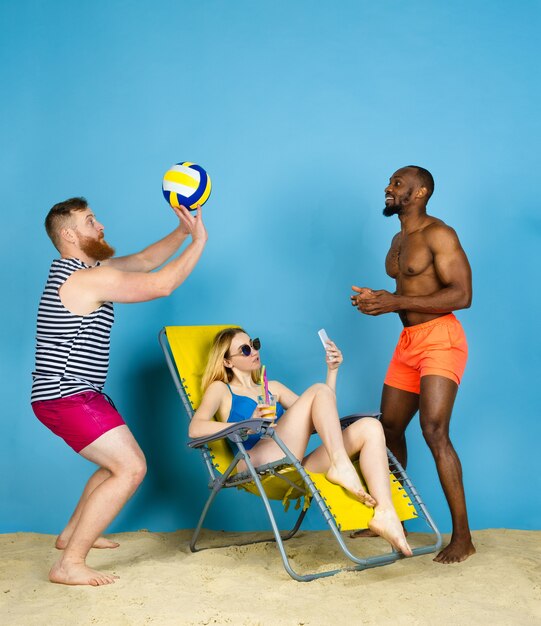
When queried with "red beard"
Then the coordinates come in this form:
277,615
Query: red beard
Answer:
97,249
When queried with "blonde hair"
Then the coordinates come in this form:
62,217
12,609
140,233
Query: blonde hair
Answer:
216,369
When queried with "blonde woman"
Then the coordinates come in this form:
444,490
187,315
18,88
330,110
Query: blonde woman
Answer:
231,386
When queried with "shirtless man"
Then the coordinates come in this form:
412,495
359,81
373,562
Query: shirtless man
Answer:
72,357
433,278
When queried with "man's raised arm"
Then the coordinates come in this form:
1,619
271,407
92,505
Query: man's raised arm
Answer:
105,283
154,255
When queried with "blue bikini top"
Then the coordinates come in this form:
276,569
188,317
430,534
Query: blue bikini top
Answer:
242,408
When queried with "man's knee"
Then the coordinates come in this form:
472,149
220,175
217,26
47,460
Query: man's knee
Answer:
435,435
133,470
139,470
392,431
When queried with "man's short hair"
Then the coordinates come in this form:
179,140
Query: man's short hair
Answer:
425,178
59,215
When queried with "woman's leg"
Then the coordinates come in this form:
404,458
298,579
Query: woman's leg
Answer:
366,439
315,408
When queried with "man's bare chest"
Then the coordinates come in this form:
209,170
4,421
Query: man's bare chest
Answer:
408,256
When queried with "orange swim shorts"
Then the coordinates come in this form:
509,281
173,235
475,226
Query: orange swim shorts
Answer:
437,347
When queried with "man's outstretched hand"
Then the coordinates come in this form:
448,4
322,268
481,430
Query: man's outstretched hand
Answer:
373,302
192,224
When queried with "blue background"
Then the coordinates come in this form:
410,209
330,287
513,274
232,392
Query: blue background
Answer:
300,111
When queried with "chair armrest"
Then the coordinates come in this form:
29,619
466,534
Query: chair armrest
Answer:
236,428
351,419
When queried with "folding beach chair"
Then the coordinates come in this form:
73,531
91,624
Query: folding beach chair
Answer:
186,349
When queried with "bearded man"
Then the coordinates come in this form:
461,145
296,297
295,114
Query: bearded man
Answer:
433,279
75,317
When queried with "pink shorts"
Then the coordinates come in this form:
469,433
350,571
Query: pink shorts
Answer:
437,348
80,419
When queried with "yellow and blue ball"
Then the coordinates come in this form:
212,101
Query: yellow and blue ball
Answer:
187,184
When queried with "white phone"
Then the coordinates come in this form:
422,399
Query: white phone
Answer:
324,337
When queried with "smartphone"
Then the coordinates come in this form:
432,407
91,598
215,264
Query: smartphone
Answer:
324,337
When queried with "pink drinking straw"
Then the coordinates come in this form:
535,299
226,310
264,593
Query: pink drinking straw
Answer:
266,386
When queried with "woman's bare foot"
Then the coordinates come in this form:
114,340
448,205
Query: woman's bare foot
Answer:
346,476
101,542
387,525
366,532
78,574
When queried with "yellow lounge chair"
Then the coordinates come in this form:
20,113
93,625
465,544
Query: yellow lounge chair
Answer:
186,349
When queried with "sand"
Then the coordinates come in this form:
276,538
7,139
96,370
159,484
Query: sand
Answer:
162,582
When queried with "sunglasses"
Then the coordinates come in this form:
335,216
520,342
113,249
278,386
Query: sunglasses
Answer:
246,350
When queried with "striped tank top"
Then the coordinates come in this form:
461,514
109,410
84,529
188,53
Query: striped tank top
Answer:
72,351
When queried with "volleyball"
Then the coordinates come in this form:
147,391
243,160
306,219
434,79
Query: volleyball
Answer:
187,184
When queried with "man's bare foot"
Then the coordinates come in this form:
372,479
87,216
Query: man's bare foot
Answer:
101,542
386,524
457,551
346,476
78,574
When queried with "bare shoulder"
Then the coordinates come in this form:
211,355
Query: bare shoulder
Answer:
212,401
440,235
216,389
90,274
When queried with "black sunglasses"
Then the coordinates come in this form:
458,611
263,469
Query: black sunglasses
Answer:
246,350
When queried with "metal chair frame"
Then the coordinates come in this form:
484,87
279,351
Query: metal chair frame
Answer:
236,433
